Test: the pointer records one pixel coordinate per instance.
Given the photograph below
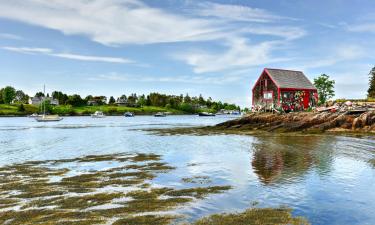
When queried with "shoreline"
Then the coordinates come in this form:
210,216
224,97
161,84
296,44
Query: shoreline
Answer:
297,123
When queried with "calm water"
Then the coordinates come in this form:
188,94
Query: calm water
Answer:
327,179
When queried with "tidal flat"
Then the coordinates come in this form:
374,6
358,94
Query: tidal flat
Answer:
46,192
116,170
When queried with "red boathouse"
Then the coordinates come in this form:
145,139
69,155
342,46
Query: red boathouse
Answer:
288,89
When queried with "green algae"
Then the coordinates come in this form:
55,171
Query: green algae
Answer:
255,216
81,198
145,220
372,162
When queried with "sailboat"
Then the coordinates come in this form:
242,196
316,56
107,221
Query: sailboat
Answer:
44,117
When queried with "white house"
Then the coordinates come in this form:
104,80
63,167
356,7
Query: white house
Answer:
38,100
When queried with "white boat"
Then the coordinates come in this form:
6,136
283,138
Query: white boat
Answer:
48,118
128,114
44,117
98,114
160,114
206,114
33,115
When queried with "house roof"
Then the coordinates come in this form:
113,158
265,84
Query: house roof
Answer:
289,79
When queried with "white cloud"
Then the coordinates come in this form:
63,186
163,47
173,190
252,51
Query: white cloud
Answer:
339,54
10,36
119,22
237,13
239,54
50,52
109,22
27,50
365,27
116,22
287,32
92,58
196,79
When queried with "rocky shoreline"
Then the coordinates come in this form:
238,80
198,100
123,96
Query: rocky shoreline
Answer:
308,122
296,123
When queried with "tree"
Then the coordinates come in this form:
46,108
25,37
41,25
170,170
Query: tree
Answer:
39,94
1,96
61,97
75,100
111,100
187,99
142,100
21,97
8,93
325,88
371,89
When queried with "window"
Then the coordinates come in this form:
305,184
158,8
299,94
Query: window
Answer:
267,95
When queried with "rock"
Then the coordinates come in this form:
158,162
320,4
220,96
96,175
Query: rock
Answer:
357,123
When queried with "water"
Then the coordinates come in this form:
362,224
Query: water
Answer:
327,179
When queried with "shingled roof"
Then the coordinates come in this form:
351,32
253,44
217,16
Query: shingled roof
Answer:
290,79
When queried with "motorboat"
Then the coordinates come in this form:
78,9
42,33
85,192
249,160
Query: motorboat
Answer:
128,114
206,114
160,114
98,114
48,118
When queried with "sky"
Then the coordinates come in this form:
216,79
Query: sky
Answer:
216,48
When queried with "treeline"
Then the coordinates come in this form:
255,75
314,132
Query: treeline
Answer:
181,102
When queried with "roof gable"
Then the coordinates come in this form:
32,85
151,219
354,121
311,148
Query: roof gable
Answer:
289,79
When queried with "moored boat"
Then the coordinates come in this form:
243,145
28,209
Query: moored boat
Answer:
48,118
98,114
160,114
128,114
44,117
206,114
33,115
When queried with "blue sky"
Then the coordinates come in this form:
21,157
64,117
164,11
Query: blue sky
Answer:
214,48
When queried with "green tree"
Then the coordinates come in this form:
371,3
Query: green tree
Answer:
61,97
142,100
8,94
111,100
187,99
1,96
21,97
371,89
39,94
76,100
325,88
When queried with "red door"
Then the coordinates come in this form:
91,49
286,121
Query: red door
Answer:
306,99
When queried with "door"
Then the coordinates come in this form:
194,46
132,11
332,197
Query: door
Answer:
306,99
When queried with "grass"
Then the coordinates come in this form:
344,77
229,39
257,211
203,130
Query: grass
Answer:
67,110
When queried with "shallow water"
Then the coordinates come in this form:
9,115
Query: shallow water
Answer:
327,179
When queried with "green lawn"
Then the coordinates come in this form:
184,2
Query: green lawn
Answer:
13,110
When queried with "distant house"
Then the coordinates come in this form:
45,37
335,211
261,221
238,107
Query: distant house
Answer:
97,100
121,102
38,100
288,89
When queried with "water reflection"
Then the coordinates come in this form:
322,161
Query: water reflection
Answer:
281,159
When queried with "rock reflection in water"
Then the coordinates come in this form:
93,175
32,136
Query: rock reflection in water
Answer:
287,158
